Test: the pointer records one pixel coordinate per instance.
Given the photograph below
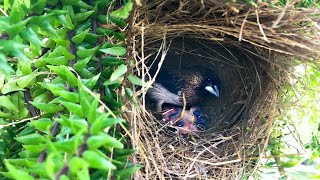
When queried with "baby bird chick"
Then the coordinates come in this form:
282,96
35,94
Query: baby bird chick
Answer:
187,121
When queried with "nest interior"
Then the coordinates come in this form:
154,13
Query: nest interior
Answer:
252,71
243,77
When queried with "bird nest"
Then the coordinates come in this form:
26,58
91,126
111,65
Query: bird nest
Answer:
249,48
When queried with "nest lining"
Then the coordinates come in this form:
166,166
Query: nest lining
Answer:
252,71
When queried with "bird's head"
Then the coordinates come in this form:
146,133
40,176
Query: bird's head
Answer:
200,118
210,84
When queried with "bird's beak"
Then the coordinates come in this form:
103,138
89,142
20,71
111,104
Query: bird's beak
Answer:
213,90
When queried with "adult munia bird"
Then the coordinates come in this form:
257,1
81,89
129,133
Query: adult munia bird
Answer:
194,83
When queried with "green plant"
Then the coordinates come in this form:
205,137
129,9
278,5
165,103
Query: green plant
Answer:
63,66
295,139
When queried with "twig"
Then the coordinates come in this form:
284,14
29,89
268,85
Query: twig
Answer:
260,27
277,21
63,170
210,163
3,12
18,122
94,25
242,25
27,99
73,48
53,132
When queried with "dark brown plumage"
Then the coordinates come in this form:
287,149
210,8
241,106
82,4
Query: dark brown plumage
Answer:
196,83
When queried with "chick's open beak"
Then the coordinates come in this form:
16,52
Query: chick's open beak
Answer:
213,90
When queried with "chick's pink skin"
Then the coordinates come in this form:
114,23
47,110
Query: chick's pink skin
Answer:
188,120
171,115
174,115
187,128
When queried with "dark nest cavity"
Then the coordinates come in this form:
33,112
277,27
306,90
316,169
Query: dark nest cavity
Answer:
244,77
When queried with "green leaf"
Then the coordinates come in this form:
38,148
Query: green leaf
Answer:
69,146
10,87
123,12
112,121
57,60
53,86
103,19
92,114
289,164
60,70
85,99
112,61
126,173
34,138
36,148
90,83
104,31
66,21
24,81
47,107
53,162
77,39
5,68
84,53
79,17
92,38
121,70
17,13
80,65
117,21
97,161
47,27
70,96
95,142
43,124
77,125
17,174
22,162
11,46
15,29
65,74
121,36
2,78
38,7
71,78
115,51
102,122
6,102
135,80
30,36
123,152
72,107
78,3
76,164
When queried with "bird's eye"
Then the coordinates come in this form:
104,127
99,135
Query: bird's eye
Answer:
208,79
197,114
180,123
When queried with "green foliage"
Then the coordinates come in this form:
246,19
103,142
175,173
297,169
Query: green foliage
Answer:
59,107
294,143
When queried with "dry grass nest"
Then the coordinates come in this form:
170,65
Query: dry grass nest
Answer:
250,48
